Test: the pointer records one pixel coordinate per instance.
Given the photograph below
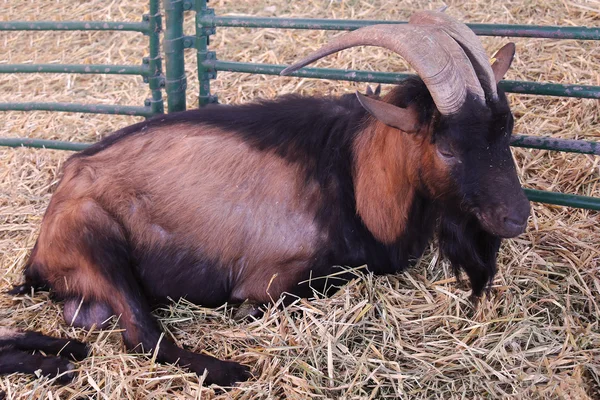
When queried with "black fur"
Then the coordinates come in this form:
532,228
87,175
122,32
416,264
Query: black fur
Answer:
470,248
16,354
29,340
159,288
12,361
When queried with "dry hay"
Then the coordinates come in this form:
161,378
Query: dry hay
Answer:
414,335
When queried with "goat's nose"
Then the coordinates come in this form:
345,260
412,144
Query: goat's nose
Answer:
515,220
514,224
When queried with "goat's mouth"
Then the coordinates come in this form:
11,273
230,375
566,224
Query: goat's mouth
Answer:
502,226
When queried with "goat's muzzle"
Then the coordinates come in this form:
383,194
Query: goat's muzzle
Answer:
506,221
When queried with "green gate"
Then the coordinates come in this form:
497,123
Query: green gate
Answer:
175,42
150,69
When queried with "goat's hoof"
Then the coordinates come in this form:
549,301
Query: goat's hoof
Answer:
246,311
19,289
228,373
58,367
66,374
76,350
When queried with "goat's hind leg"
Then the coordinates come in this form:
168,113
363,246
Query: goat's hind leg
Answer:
33,279
97,266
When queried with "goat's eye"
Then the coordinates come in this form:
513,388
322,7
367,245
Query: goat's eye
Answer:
446,154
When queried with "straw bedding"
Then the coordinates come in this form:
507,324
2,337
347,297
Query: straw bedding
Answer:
415,335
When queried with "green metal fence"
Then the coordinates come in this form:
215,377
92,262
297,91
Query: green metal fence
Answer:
150,69
175,42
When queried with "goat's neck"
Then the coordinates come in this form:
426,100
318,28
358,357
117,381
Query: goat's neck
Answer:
385,166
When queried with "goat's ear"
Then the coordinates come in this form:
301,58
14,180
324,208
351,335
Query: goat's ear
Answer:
504,58
405,119
378,90
372,93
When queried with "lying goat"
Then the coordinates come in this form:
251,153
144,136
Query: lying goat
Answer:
242,203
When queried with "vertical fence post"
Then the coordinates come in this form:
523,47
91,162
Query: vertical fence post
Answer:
176,82
155,78
204,28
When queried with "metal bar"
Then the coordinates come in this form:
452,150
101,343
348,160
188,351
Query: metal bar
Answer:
534,31
537,31
541,88
82,108
74,26
206,71
549,143
39,143
176,82
308,72
43,144
154,62
75,69
562,199
551,89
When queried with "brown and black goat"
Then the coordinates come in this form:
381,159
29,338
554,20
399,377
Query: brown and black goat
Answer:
243,203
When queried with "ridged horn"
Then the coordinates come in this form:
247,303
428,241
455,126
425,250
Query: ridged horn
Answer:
468,41
435,56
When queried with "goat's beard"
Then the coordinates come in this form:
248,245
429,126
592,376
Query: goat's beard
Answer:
469,247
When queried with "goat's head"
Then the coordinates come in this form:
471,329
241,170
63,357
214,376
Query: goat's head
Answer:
464,159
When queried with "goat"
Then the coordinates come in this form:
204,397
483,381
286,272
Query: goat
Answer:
16,347
249,202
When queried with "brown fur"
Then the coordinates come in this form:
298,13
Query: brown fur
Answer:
276,241
64,257
390,166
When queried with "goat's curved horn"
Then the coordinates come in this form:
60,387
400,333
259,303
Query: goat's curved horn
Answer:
437,58
467,40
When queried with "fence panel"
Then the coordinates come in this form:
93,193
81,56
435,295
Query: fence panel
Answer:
150,69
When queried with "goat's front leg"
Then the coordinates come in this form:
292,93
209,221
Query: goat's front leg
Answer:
30,341
14,360
142,329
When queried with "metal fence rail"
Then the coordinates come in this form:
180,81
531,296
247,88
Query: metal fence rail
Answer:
521,87
150,68
75,26
208,20
145,111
